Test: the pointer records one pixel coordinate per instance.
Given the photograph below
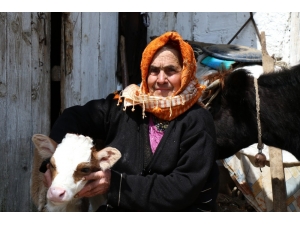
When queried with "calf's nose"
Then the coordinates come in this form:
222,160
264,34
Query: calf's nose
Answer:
56,194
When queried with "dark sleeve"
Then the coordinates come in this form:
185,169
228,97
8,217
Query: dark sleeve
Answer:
179,189
87,120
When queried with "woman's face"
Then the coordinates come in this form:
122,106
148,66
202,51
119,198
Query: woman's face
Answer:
164,76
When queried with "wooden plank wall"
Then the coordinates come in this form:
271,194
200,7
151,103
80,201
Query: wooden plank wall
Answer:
220,27
209,27
89,57
89,46
24,101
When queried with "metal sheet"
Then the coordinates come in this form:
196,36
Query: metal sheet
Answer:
233,52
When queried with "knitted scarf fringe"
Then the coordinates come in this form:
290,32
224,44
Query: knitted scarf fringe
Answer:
159,106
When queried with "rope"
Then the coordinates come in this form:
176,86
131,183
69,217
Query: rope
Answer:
260,145
212,97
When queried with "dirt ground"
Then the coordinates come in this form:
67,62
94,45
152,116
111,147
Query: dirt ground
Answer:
233,204
230,199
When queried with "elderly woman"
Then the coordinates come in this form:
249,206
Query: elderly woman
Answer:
166,138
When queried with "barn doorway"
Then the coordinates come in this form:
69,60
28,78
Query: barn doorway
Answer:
131,26
56,20
134,30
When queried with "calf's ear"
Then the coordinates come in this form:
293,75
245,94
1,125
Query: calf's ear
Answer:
45,145
107,157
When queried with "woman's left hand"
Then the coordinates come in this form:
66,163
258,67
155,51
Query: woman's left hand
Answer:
99,184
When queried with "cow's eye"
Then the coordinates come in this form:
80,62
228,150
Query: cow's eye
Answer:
85,170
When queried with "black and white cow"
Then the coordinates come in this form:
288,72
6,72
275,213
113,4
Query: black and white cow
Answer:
235,115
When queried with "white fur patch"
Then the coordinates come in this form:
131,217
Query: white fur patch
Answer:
73,150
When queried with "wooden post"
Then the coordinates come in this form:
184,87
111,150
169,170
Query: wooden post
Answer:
276,164
278,180
125,78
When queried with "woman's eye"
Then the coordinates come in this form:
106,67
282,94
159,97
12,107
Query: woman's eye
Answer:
154,70
170,71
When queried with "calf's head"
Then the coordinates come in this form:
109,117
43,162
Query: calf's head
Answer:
71,160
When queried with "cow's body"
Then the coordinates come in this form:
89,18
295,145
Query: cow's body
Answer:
234,111
70,161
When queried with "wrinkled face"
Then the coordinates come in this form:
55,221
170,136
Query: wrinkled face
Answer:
164,76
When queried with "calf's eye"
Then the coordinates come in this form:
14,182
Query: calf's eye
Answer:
51,165
85,170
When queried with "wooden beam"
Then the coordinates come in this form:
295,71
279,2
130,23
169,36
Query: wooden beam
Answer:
268,61
125,76
278,180
276,164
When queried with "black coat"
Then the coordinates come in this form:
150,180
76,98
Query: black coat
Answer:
182,175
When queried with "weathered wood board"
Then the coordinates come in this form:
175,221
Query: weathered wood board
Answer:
91,40
24,101
89,59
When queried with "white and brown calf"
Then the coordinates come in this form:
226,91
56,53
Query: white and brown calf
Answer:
71,160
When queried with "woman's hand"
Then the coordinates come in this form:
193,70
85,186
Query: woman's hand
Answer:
99,184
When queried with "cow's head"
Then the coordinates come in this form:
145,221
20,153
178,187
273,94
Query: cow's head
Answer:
71,160
233,110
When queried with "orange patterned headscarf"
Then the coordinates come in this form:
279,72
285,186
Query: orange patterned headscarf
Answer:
166,108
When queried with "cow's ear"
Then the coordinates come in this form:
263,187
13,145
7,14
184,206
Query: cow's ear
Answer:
45,145
236,83
107,157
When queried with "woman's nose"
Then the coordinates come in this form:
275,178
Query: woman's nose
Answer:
161,78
